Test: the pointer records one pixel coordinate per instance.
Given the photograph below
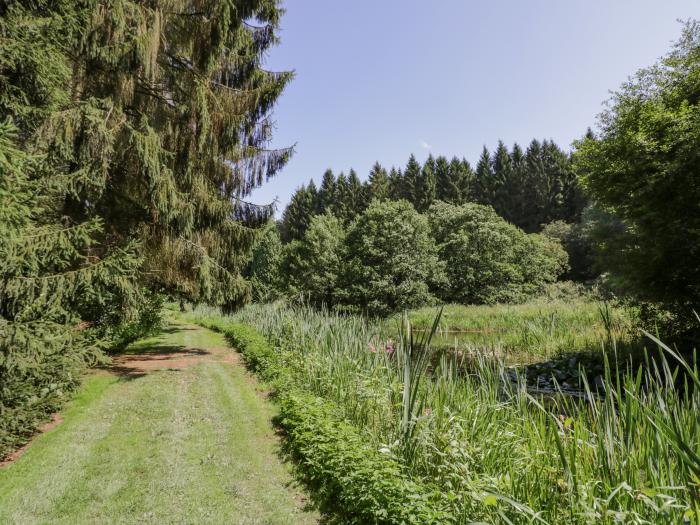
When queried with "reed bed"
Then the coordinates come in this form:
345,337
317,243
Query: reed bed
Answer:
500,454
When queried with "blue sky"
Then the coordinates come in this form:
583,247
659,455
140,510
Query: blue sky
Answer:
381,79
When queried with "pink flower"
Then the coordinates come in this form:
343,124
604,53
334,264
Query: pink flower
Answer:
389,348
372,348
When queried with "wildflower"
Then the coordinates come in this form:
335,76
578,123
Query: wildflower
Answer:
372,348
389,349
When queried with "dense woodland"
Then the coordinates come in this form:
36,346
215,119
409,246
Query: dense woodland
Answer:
528,188
494,234
131,136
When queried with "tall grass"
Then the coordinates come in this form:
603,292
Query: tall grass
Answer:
531,331
500,454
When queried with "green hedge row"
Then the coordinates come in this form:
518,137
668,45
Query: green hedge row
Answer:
348,475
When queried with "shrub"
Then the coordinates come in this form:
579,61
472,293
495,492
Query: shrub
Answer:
351,476
576,240
392,260
315,262
488,260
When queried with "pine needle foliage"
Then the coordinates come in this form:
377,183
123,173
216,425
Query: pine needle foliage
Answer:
162,129
132,132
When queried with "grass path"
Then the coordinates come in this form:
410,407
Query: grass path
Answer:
175,432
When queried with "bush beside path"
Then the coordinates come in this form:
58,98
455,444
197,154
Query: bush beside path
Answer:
174,432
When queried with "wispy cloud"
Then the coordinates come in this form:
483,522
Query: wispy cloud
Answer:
425,145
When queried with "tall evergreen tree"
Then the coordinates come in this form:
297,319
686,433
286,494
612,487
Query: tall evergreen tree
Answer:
454,180
502,176
378,183
516,202
395,184
297,215
326,193
342,198
265,269
409,187
535,186
484,183
426,186
356,200
463,172
313,197
49,281
160,130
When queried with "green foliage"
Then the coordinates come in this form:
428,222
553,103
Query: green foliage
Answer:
488,260
47,279
454,180
297,215
642,167
350,476
265,270
391,259
576,238
518,333
528,189
141,126
378,183
157,128
495,452
257,353
316,262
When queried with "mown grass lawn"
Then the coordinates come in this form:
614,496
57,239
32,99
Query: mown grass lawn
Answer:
180,435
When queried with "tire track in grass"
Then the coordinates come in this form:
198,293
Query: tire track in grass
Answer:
187,439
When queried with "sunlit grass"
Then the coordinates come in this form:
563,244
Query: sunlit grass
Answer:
531,331
501,453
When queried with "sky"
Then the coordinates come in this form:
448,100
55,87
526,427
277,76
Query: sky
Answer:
377,80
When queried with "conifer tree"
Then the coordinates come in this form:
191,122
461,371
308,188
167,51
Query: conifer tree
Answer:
445,189
454,180
516,202
161,130
356,198
297,215
409,187
378,183
502,175
327,191
395,184
425,186
535,186
313,198
463,172
484,181
48,277
265,268
342,198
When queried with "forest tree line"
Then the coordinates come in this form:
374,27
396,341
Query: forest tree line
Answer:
528,188
495,209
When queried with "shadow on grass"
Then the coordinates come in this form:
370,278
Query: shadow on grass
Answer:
177,328
139,362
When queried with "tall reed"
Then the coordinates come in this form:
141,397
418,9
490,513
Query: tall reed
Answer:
627,454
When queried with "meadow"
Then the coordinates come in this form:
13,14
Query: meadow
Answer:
529,332
481,448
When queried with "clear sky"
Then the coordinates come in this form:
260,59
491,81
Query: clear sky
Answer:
377,80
